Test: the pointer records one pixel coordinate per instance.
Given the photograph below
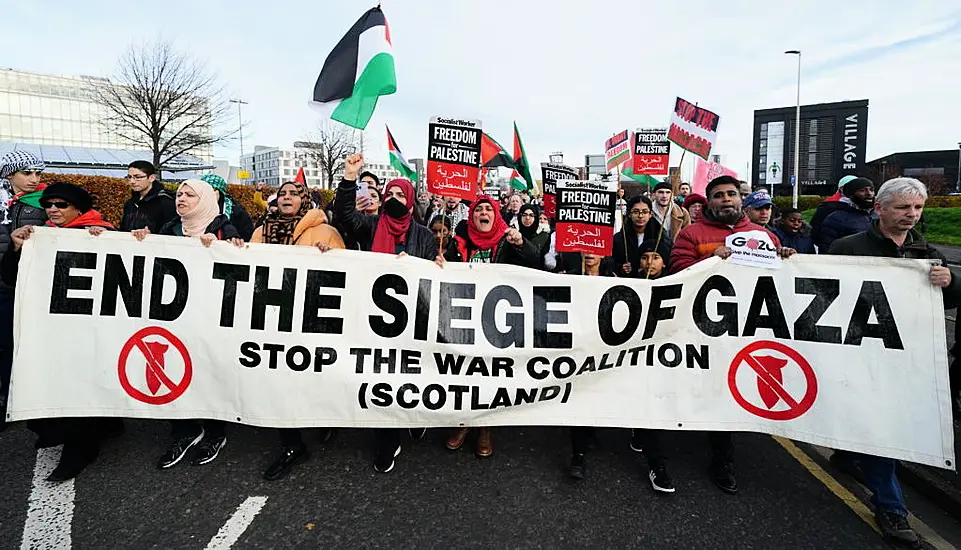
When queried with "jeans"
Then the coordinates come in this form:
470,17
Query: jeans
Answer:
879,476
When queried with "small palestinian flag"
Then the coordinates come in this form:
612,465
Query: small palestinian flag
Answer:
300,178
357,72
493,155
520,160
397,159
517,182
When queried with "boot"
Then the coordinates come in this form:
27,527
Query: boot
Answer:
485,447
456,440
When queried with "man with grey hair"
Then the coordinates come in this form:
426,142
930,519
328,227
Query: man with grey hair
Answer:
899,205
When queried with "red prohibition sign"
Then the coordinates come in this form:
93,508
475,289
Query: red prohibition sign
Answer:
772,382
154,366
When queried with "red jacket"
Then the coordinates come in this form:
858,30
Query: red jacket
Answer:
698,241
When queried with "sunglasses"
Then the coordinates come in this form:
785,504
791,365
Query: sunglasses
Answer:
60,205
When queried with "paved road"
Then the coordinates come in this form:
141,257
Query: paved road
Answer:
434,498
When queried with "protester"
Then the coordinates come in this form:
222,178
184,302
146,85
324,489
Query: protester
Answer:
198,216
683,191
621,203
441,228
20,191
793,232
722,217
235,212
744,189
514,203
899,205
66,206
672,217
528,223
625,253
758,207
149,205
392,232
260,195
295,222
694,204
486,238
847,216
370,203
452,208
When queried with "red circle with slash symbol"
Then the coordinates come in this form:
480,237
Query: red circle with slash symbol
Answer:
154,353
770,380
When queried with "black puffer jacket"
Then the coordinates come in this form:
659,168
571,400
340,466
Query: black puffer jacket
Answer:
360,227
220,227
150,212
633,256
20,214
241,220
461,249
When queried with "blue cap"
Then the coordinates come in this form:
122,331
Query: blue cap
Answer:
757,199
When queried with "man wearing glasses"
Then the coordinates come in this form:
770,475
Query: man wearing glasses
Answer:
20,191
150,206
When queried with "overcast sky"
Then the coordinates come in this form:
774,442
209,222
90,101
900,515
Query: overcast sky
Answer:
570,73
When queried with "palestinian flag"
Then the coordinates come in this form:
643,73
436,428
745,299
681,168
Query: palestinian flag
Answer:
517,182
628,172
300,178
520,160
492,154
357,72
397,159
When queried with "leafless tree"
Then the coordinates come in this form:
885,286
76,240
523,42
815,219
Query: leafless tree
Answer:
162,99
329,147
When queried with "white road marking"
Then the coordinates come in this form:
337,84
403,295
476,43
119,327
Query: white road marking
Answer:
237,524
50,508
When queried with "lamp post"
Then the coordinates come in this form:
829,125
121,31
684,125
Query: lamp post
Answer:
797,130
240,121
958,185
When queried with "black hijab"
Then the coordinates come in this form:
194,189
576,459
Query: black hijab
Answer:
528,232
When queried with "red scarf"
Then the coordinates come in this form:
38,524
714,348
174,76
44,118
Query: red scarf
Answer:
393,231
90,218
488,240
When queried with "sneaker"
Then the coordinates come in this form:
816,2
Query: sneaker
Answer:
722,473
578,467
384,462
208,450
288,458
895,528
176,452
660,480
326,434
636,441
417,433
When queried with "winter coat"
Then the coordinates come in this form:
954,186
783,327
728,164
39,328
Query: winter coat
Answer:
220,227
242,222
838,219
680,218
150,212
698,241
20,215
360,227
311,230
800,241
633,256
10,263
872,243
461,249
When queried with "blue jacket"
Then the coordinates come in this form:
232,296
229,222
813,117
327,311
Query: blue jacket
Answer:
843,221
800,241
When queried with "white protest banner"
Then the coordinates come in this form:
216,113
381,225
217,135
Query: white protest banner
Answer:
753,248
843,352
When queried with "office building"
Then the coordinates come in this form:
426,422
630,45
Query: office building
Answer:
833,145
275,165
44,109
937,169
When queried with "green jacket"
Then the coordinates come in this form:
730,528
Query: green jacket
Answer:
873,243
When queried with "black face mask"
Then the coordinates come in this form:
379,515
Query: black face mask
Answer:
394,208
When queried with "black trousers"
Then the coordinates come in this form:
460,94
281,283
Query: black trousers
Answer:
291,438
722,443
180,429
83,435
386,439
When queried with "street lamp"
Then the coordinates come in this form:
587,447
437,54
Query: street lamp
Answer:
958,185
240,120
797,130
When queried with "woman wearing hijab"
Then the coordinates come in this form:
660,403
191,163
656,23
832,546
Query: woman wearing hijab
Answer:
528,223
198,217
295,223
484,237
393,231
237,214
